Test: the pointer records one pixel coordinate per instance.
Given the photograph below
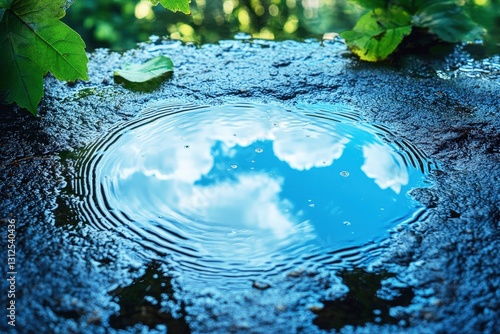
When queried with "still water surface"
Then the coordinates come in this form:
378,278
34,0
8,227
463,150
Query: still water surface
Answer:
246,190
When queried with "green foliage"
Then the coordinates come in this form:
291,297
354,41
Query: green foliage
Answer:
174,5
113,23
151,69
379,32
34,41
487,14
447,20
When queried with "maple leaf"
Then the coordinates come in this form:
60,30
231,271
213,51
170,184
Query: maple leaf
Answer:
33,41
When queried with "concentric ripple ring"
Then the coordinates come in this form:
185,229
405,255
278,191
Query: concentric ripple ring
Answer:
251,190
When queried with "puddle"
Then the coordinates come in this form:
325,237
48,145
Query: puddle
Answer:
233,193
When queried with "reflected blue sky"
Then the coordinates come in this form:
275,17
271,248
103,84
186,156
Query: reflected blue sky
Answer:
241,184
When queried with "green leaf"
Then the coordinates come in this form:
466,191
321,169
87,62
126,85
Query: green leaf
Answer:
56,47
151,69
5,4
447,20
22,79
32,42
174,5
378,33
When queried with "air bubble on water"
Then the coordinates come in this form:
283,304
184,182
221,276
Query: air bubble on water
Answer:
259,150
311,205
344,173
253,161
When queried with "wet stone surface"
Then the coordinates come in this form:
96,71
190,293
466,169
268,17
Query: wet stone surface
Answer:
436,273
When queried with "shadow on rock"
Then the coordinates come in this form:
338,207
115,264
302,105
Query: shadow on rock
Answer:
149,301
363,303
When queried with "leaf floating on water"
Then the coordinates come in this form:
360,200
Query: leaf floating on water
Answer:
151,69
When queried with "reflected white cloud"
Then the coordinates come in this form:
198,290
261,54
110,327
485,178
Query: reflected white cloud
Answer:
318,150
236,219
173,161
251,201
387,169
168,162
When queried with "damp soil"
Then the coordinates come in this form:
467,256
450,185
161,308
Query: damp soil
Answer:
437,274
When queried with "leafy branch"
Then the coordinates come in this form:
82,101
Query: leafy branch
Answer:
33,42
380,31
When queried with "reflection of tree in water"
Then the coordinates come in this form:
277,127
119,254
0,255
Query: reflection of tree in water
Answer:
120,24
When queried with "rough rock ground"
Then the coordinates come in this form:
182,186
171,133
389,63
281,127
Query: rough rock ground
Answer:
440,275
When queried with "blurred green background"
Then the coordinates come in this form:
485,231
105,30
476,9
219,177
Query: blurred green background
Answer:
120,24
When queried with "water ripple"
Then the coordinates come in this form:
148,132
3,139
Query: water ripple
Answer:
230,193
